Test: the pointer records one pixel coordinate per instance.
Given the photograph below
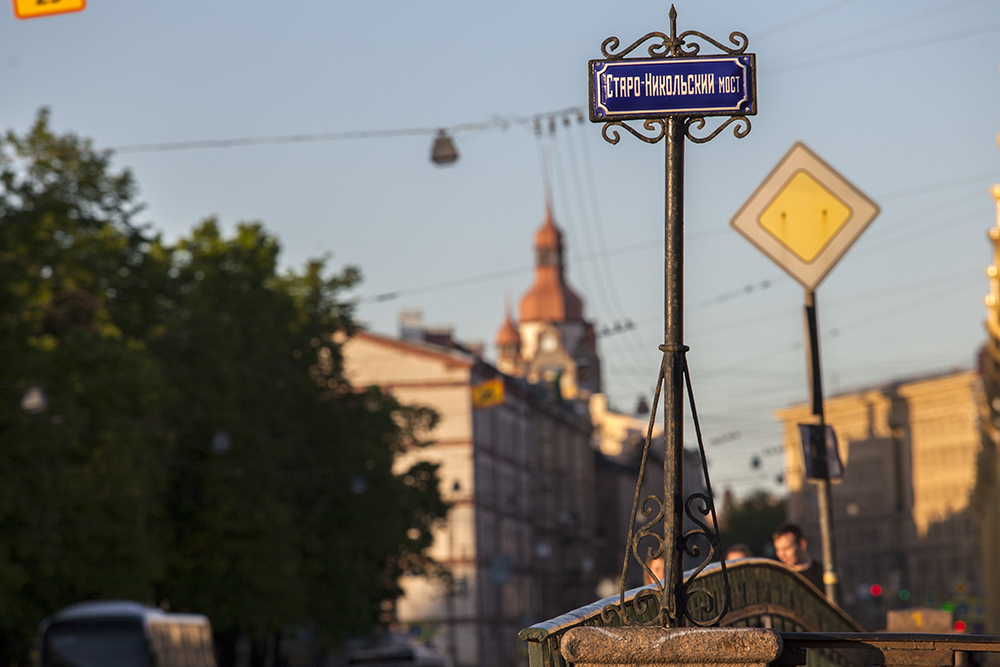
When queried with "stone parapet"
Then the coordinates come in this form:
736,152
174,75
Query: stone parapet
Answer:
660,647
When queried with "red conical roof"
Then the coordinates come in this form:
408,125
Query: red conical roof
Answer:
508,335
550,299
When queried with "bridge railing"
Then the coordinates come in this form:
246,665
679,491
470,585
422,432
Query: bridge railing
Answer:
763,593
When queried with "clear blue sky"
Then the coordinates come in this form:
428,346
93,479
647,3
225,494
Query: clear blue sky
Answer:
901,96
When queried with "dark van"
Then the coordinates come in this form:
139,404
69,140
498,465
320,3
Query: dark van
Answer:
398,655
124,634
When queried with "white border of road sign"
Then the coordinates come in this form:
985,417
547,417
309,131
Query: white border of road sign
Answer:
801,158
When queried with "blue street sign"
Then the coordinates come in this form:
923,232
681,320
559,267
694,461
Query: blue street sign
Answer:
653,88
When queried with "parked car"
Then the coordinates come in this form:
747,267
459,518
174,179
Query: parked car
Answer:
397,656
124,634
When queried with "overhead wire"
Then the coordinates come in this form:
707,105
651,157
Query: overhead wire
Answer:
567,215
589,214
505,122
633,364
446,284
804,18
562,192
717,299
602,279
943,185
890,312
907,235
896,22
880,50
945,281
543,163
604,254
601,254
497,122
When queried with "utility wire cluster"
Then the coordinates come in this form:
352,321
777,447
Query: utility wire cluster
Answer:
497,122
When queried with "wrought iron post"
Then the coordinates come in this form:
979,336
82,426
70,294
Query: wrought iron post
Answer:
676,600
673,348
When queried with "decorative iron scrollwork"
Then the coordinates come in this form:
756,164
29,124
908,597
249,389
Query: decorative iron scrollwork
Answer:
661,49
674,45
657,125
711,534
740,130
641,610
738,39
695,604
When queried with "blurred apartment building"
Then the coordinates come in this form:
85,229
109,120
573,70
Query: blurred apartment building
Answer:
903,512
540,484
987,487
519,535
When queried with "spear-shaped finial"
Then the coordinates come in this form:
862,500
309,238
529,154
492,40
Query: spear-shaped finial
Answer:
674,44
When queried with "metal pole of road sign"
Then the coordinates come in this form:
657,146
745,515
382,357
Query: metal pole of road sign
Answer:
830,578
673,91
805,216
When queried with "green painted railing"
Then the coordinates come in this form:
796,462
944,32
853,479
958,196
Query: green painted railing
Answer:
764,593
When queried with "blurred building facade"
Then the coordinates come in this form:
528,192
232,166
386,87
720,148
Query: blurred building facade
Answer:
903,512
541,485
518,476
987,487
552,343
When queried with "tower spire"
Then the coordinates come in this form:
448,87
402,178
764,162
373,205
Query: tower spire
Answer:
550,298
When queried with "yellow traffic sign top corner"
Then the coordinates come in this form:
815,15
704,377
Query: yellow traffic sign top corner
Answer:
29,9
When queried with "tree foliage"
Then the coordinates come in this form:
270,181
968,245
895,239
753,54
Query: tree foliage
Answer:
199,445
752,520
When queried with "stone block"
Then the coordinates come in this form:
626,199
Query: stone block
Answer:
660,647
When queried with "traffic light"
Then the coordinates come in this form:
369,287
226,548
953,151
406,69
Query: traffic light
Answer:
876,590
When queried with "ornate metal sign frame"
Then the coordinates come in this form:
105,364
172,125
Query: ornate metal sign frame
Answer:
677,48
676,600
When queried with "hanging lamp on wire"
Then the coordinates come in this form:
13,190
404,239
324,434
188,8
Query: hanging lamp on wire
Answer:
443,151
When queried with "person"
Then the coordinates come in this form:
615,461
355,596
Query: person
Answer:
792,549
738,551
656,565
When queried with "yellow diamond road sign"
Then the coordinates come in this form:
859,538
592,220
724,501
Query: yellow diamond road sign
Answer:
805,216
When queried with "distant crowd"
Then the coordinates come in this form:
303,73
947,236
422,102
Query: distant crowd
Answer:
790,547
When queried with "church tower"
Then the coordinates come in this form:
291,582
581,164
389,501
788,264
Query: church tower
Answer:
557,345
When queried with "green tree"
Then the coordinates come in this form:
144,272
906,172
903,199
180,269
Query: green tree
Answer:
200,447
317,526
83,480
752,520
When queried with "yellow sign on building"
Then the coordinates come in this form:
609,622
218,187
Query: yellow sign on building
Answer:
805,216
29,9
488,394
